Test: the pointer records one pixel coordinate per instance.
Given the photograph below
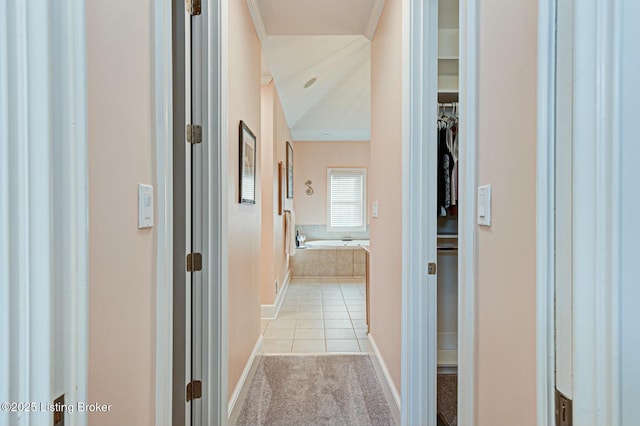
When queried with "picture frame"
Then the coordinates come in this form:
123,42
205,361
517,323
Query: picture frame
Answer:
282,188
247,165
289,170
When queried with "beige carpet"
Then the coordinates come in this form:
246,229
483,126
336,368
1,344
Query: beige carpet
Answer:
315,390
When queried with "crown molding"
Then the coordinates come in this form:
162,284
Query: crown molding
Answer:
256,16
376,11
266,79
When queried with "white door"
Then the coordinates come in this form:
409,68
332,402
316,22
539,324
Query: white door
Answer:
195,163
188,161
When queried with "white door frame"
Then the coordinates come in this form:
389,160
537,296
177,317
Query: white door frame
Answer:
215,200
545,222
43,207
163,27
419,319
596,220
629,207
419,188
468,139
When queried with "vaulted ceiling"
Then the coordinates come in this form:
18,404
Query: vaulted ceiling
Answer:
325,46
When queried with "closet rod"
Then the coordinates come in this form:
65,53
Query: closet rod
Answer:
447,248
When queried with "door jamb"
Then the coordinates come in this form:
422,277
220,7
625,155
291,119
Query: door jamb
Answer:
468,137
596,221
163,77
215,185
545,221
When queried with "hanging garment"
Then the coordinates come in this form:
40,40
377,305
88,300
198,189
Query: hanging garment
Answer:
445,162
452,144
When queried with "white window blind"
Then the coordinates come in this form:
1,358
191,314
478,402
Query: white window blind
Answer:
346,199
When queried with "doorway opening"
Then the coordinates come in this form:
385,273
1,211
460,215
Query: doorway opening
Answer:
416,277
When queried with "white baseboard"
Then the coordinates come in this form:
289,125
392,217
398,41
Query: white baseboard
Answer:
242,388
388,388
271,311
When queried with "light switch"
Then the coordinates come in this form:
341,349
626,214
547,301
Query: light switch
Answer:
484,205
145,206
374,209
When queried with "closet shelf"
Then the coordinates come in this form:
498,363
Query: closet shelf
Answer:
447,358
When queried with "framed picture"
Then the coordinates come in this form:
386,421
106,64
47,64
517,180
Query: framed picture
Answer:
247,165
289,171
282,187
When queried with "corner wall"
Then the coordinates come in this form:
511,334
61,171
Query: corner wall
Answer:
506,279
244,222
385,183
122,266
275,134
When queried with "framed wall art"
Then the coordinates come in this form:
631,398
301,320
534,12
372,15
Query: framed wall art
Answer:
247,165
289,171
282,187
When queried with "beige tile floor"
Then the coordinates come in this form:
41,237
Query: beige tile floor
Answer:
319,315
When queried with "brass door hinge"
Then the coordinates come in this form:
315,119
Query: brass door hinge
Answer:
58,414
194,133
194,390
432,268
194,7
194,262
564,410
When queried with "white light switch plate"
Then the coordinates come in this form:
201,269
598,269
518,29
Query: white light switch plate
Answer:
145,206
374,209
484,205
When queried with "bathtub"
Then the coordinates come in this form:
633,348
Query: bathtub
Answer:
329,244
330,258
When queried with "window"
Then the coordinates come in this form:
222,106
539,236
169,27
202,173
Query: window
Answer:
346,201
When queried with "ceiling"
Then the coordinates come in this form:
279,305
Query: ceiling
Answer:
328,41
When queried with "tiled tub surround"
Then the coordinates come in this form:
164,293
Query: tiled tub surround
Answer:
328,262
319,232
319,315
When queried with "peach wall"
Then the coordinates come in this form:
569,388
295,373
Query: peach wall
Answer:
267,264
506,349
244,219
282,135
311,160
275,134
385,183
121,257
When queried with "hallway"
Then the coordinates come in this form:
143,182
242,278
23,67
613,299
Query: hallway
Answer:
153,180
319,315
315,367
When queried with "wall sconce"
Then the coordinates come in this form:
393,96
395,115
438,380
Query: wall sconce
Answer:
309,190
